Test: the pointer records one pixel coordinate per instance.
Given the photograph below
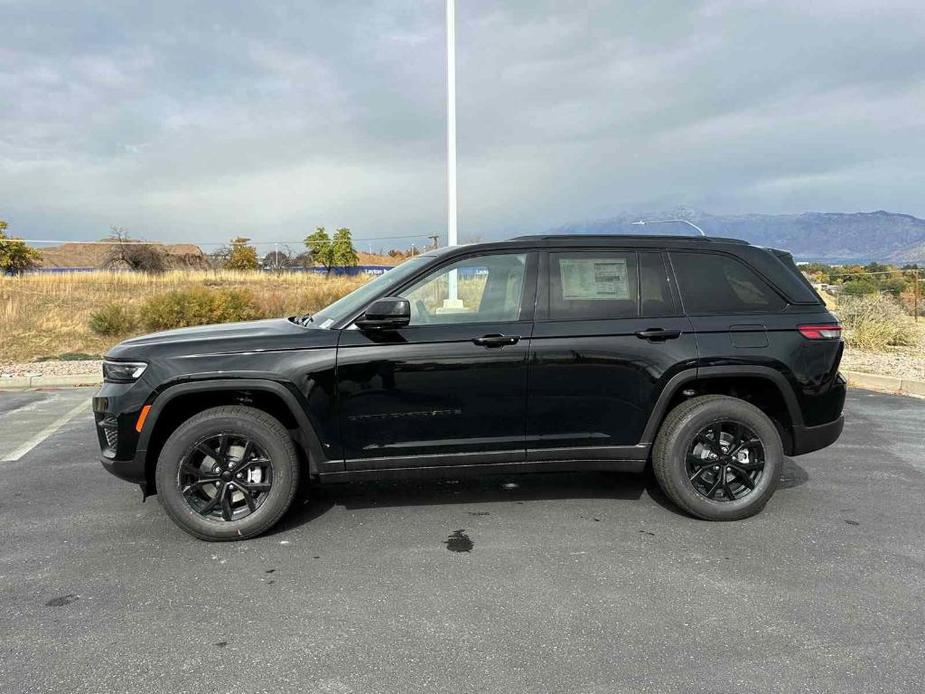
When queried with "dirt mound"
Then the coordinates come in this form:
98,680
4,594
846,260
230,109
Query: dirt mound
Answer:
179,255
376,259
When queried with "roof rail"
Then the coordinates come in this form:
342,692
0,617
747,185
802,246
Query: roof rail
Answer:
698,239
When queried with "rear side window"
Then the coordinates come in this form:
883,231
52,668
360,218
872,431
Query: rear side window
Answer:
593,285
711,283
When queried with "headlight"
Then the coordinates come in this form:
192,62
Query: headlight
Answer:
123,371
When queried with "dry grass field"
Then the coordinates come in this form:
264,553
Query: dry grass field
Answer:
47,315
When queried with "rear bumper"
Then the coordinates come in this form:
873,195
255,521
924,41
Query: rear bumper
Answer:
809,439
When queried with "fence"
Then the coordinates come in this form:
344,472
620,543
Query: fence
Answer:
348,271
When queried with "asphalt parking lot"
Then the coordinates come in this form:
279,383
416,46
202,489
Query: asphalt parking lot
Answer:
577,583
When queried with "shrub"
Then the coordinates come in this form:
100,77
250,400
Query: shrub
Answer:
137,257
198,306
113,320
874,321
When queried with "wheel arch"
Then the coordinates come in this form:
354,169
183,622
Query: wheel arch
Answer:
770,390
178,402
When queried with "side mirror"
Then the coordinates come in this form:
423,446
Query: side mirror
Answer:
388,313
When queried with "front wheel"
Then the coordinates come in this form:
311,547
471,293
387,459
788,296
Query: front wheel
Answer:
718,458
227,473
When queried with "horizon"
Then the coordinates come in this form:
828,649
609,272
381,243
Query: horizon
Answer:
384,244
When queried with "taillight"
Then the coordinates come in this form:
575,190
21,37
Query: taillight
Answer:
822,331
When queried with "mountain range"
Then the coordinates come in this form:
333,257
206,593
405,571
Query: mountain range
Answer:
834,237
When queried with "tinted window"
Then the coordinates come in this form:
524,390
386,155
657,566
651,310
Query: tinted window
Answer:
488,288
713,283
593,285
654,286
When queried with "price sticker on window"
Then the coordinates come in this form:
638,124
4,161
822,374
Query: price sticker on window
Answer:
590,279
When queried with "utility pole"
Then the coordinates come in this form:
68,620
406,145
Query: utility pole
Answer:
916,278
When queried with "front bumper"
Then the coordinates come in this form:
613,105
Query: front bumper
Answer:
116,407
809,439
128,470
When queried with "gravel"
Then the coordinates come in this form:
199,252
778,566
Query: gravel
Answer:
898,362
51,368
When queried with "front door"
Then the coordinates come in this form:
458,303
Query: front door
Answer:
609,334
450,388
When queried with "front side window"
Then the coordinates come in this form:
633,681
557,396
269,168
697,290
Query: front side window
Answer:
357,299
711,283
482,289
593,285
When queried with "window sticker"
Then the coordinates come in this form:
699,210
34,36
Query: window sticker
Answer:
589,279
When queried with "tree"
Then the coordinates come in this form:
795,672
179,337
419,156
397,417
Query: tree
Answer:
302,260
345,254
860,286
242,256
15,256
277,260
322,250
138,257
219,257
331,253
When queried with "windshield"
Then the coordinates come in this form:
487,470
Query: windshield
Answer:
359,298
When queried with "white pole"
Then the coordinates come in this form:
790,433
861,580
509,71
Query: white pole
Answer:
451,122
452,302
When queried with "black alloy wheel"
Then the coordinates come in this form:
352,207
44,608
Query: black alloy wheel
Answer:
225,476
718,457
725,461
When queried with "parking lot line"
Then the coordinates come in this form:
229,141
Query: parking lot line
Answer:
47,431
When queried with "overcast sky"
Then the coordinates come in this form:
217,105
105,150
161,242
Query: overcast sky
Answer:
200,120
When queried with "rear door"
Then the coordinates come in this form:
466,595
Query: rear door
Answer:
609,334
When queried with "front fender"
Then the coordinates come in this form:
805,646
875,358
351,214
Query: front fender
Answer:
287,393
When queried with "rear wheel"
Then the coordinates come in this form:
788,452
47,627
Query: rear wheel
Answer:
228,473
718,458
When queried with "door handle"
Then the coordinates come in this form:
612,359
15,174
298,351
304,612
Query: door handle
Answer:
657,334
496,340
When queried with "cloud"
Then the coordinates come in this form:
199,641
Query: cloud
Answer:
214,118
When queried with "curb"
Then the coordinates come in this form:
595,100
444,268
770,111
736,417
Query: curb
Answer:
890,384
39,381
858,379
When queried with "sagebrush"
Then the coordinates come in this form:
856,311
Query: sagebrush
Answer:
50,314
874,322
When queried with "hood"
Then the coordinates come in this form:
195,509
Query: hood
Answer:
224,338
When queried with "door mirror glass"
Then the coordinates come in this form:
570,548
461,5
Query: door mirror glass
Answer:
388,313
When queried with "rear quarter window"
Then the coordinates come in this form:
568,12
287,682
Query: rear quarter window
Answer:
711,283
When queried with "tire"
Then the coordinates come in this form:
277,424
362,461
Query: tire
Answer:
257,494
687,441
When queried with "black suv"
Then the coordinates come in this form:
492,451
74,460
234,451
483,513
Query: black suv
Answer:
709,357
